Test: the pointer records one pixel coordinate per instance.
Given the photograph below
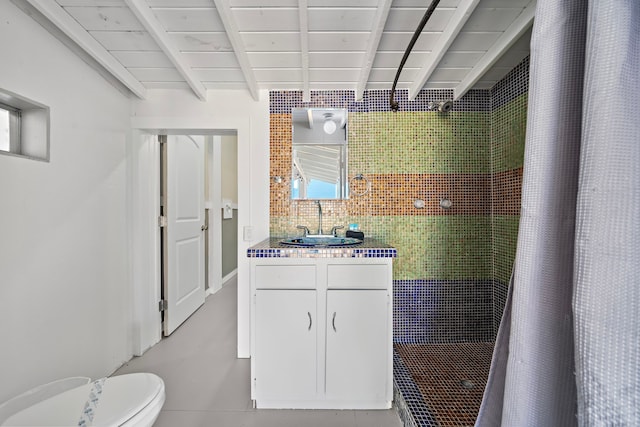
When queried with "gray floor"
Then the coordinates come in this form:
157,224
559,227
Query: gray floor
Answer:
207,385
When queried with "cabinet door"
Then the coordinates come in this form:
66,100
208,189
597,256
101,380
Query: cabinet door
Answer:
358,345
286,345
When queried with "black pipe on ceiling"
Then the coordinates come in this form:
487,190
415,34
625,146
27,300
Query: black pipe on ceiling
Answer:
416,34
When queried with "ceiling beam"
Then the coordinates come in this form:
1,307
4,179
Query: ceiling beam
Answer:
459,18
374,40
147,18
72,29
506,40
303,13
231,28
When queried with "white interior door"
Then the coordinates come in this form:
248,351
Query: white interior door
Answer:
184,289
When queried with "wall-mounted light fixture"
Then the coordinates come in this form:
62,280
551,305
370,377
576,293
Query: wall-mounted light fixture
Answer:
329,125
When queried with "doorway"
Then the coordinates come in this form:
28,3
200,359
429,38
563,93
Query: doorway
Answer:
198,192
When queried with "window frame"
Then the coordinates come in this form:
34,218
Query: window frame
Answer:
15,123
28,127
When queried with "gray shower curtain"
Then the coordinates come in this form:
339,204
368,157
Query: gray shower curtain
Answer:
568,348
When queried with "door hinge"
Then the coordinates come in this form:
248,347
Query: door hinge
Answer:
163,305
162,221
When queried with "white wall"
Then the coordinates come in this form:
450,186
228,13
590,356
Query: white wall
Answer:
224,110
64,288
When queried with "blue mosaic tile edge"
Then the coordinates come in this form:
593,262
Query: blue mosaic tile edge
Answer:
272,248
282,101
411,406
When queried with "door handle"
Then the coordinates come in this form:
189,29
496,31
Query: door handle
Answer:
310,320
204,227
333,322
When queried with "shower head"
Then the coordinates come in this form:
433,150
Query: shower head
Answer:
442,106
445,106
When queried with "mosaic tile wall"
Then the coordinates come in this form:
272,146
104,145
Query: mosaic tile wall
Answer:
446,258
508,128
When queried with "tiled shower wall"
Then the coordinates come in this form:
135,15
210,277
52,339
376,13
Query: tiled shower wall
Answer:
508,126
444,274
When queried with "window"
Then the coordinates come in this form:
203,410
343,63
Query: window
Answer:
24,127
9,129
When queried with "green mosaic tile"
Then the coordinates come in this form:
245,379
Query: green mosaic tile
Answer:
429,247
419,142
508,132
435,247
505,239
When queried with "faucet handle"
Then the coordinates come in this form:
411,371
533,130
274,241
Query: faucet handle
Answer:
305,230
334,228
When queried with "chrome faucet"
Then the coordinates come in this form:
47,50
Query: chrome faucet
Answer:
305,229
319,217
334,229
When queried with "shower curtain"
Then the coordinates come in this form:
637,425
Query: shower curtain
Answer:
568,348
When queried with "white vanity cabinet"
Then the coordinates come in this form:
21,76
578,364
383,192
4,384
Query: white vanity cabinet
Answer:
357,346
287,344
321,335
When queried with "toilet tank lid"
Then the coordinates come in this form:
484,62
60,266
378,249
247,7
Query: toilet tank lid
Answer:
122,397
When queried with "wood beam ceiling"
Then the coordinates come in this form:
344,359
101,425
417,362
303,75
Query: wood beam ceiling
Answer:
372,47
303,12
506,40
459,18
72,29
231,28
146,17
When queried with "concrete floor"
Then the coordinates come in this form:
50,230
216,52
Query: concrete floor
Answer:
206,385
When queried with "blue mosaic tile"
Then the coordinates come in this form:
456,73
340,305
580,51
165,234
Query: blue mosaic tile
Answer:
514,84
442,311
281,102
499,300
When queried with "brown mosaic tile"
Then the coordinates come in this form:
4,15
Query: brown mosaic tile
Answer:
506,192
450,377
280,164
394,194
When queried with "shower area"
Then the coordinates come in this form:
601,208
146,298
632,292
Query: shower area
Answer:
445,192
445,322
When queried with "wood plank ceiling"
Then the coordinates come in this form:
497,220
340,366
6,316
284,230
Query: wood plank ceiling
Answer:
296,44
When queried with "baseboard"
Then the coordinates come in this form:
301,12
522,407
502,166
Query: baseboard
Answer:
229,276
225,279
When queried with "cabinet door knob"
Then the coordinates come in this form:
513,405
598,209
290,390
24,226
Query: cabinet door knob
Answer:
310,321
333,322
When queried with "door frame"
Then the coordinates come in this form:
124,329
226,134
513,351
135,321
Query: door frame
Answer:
143,170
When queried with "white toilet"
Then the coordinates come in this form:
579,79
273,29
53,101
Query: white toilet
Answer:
131,400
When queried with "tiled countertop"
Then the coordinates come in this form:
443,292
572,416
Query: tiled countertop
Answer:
369,248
